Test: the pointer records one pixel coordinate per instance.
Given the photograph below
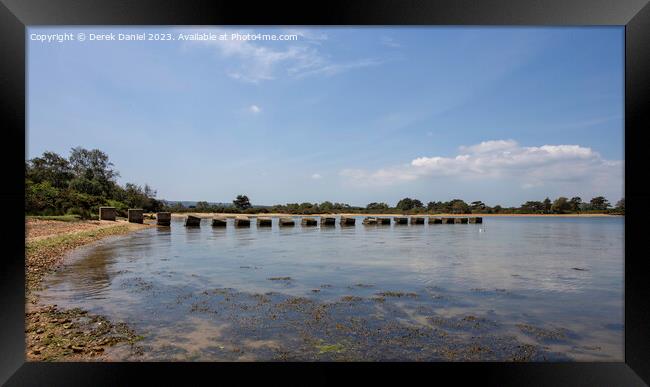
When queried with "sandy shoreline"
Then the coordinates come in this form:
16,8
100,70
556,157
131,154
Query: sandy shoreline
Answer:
53,333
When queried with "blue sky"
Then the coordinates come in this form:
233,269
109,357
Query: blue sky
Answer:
352,115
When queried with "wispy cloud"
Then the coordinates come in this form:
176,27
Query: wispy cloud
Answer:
255,62
254,109
502,159
390,42
308,35
316,176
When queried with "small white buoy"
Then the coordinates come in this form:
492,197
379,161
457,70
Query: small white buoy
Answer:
481,230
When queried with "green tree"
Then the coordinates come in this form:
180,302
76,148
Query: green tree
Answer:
620,205
477,206
599,203
533,207
561,205
377,206
326,207
547,205
575,203
407,204
202,206
49,167
41,197
93,166
458,206
242,202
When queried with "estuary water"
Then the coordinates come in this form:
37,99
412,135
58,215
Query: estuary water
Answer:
511,288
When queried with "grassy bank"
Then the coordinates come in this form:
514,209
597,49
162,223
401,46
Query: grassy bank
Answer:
62,218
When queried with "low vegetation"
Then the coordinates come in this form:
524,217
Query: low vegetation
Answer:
561,205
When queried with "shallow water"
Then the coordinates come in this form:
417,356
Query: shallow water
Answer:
198,293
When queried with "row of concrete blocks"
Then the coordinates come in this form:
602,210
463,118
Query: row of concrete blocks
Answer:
135,215
422,220
244,221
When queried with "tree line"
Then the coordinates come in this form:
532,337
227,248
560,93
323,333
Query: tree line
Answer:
561,205
80,184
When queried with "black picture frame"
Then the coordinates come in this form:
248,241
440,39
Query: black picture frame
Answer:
16,15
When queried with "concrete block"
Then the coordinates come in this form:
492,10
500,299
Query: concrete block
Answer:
136,215
107,213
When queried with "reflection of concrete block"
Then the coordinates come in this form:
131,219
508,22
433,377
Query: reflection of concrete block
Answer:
136,215
107,213
192,221
263,221
164,218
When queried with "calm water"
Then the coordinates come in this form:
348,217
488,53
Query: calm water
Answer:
553,274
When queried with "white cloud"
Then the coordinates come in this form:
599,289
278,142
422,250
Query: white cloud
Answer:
504,159
254,61
254,109
316,176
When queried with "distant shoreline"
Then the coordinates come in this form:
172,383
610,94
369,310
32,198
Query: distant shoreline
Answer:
275,214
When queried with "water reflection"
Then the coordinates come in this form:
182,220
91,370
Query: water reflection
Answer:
559,272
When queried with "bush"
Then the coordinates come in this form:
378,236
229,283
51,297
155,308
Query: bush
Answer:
78,211
121,208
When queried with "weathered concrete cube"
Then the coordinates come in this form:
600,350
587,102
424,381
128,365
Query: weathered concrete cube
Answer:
435,220
164,218
476,219
192,221
242,221
369,221
219,221
347,221
401,220
285,221
136,215
309,222
264,221
107,213
417,220
327,221
385,221
460,220
447,220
